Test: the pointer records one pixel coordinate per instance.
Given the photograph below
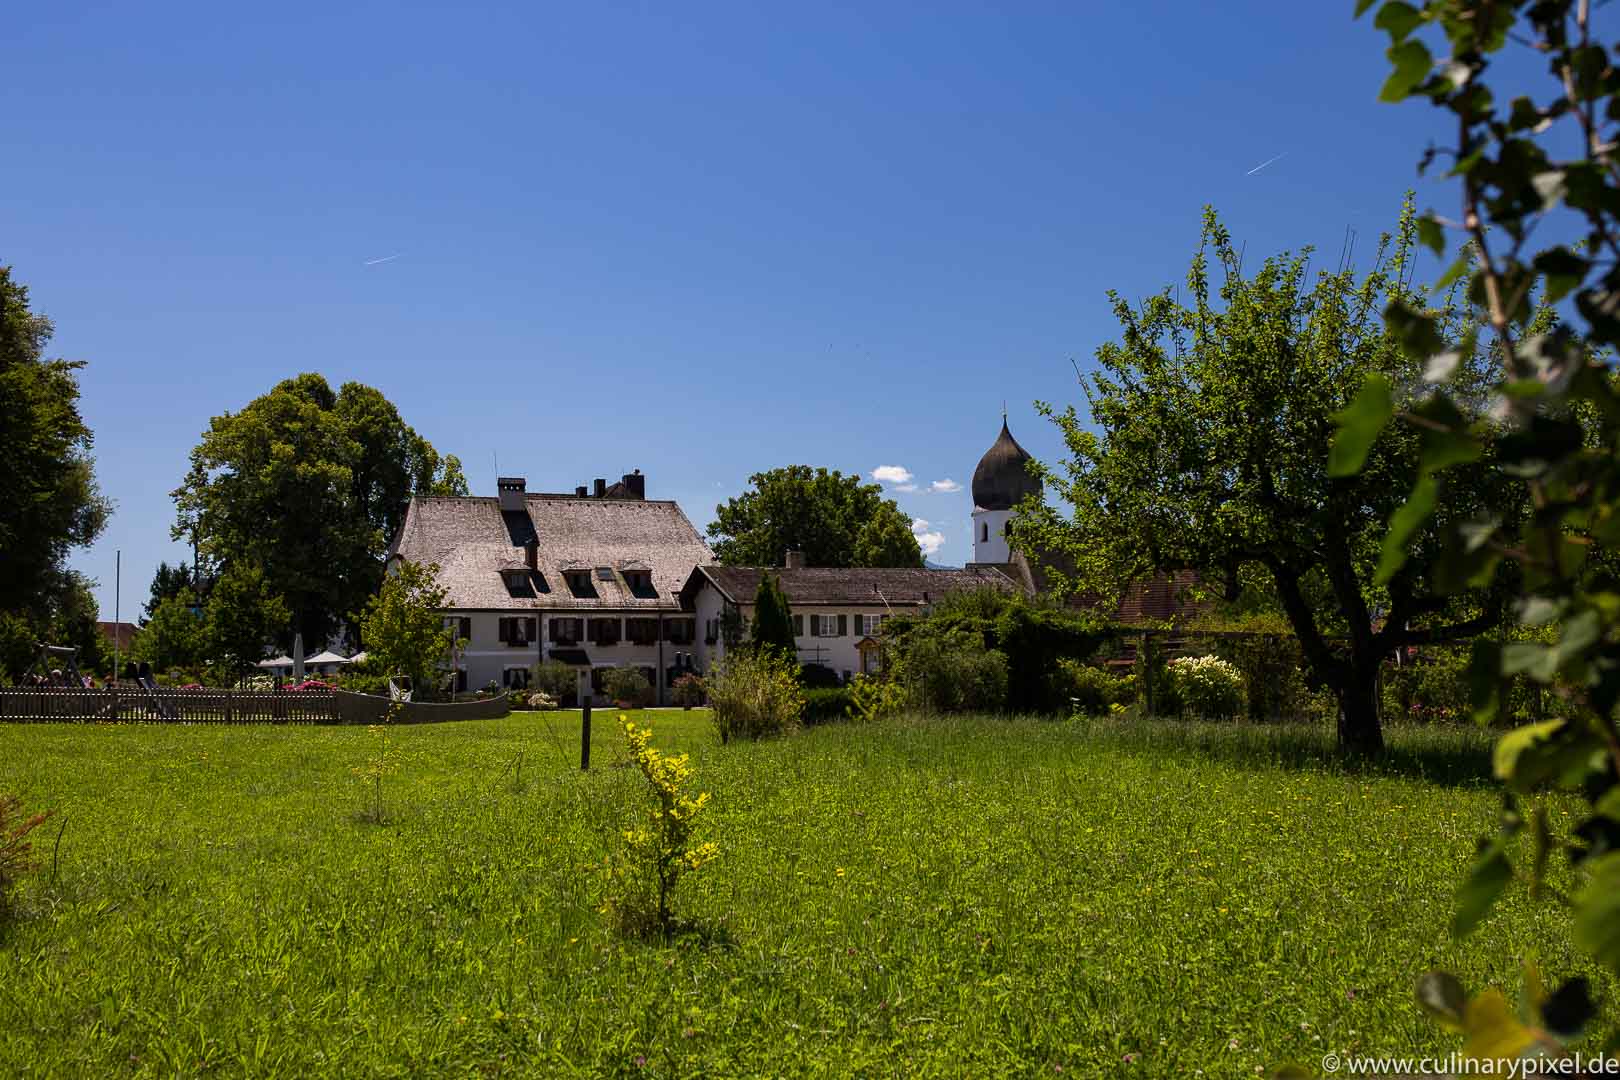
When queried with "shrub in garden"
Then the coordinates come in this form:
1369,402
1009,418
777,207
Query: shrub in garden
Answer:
658,848
952,673
688,690
819,677
555,678
825,705
16,853
541,700
627,686
873,699
1208,687
1093,691
754,694
1430,686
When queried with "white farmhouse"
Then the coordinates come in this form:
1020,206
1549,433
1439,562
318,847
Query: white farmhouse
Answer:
589,578
838,613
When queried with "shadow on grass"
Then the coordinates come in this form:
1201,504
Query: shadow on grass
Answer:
1449,756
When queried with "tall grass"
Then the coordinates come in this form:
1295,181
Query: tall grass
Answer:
937,897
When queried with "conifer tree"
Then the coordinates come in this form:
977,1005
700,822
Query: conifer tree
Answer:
773,620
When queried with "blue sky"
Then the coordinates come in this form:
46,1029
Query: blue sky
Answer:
702,242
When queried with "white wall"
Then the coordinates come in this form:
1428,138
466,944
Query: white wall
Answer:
837,653
485,657
994,547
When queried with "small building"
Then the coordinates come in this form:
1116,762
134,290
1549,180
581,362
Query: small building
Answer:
590,578
838,613
119,634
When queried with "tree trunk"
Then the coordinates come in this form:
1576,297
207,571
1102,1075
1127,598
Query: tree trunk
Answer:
1359,731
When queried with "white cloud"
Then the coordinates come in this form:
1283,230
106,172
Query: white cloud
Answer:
945,487
892,474
930,542
905,487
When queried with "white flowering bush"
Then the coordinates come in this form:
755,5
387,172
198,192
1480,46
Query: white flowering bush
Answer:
1208,687
542,701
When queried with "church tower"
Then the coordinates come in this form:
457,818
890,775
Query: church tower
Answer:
999,483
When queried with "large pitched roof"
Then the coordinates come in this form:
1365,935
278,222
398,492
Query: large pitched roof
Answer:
472,541
822,585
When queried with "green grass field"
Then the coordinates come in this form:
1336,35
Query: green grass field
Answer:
952,897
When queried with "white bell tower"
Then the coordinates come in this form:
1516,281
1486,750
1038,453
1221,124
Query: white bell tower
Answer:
1000,483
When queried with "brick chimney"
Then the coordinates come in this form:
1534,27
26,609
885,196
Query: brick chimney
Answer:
599,487
793,560
511,489
635,484
581,491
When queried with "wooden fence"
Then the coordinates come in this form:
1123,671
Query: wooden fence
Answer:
129,704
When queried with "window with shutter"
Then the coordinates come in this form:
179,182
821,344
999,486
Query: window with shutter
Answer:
843,625
798,626
504,631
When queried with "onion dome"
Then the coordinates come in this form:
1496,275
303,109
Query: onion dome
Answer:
1001,481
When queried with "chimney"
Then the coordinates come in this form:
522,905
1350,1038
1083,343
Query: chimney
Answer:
635,484
600,487
511,489
580,491
531,554
793,560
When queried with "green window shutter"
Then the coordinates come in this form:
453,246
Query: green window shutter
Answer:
798,626
815,626
843,625
534,627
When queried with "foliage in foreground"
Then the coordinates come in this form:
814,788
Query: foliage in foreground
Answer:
1559,453
754,694
658,846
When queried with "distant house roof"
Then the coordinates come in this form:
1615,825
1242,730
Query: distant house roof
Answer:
473,542
121,633
821,586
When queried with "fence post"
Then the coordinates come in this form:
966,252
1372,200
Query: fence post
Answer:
1145,659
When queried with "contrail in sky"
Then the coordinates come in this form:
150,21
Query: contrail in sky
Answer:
1263,164
391,258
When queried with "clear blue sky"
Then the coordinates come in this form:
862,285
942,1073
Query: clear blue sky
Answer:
701,241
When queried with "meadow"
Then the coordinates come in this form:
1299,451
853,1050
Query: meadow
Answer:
954,897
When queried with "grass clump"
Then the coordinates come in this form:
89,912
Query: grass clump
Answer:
16,851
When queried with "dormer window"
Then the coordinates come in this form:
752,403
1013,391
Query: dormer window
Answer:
641,584
579,583
519,585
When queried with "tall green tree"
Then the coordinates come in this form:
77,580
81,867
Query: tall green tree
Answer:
1204,450
168,581
835,520
49,500
242,615
772,628
176,636
403,624
310,485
